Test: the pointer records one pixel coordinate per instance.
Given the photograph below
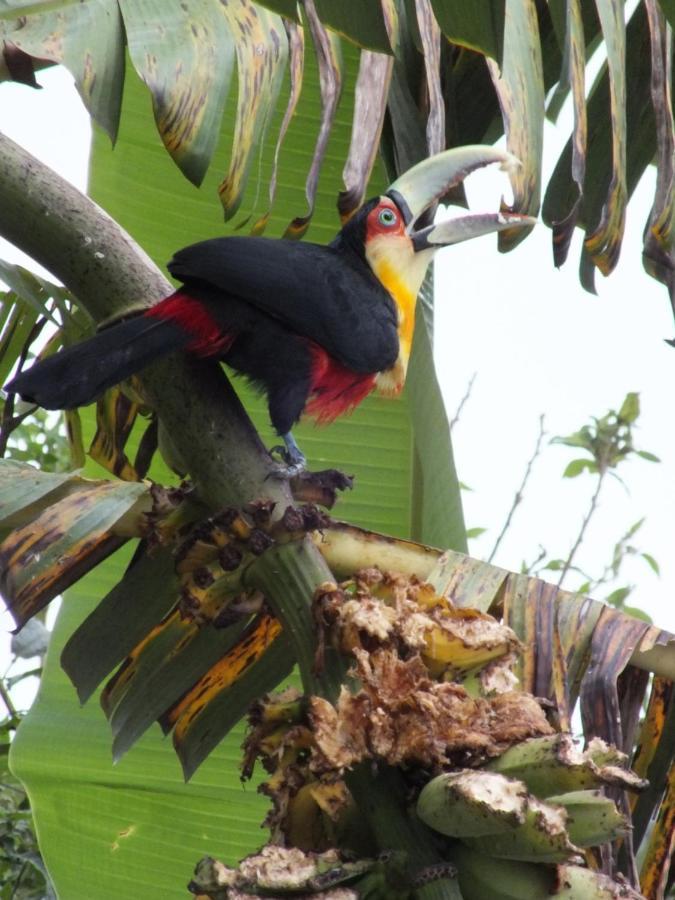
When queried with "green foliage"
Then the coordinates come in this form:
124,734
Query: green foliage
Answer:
23,875
608,440
28,434
40,439
22,872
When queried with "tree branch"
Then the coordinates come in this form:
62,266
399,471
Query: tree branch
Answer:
111,276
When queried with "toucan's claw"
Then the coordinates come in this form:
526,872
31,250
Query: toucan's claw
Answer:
284,471
293,460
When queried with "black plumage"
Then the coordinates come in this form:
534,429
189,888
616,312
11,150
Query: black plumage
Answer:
295,318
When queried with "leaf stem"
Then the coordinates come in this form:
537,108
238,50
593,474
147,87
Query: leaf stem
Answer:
518,498
7,700
584,525
463,401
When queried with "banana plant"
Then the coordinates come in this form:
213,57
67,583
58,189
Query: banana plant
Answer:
497,66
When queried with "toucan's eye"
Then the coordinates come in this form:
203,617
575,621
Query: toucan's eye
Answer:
387,217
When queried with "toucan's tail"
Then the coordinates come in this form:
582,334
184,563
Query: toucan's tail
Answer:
77,375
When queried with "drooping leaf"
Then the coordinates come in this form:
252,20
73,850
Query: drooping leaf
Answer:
296,65
17,331
103,827
574,74
115,417
404,137
519,84
655,747
370,101
478,26
127,612
261,49
202,718
362,21
286,8
25,491
659,853
558,10
640,143
659,251
42,558
168,662
430,37
329,60
74,434
184,52
604,242
652,563
88,39
615,637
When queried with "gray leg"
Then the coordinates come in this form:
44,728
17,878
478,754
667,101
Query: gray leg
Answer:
292,455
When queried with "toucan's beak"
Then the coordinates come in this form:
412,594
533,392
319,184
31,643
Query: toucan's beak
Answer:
420,187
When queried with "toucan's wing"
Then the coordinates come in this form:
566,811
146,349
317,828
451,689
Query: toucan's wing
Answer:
319,292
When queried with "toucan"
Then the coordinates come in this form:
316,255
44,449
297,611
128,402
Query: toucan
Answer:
316,327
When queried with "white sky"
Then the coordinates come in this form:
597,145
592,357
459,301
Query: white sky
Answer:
538,343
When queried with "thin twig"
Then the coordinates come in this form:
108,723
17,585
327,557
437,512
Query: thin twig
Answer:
19,879
462,402
10,422
11,709
530,569
518,498
584,526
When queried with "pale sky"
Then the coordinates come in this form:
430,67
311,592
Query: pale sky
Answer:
538,343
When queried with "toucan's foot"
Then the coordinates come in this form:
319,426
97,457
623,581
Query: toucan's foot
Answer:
293,459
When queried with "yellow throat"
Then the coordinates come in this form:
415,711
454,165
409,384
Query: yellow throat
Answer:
401,270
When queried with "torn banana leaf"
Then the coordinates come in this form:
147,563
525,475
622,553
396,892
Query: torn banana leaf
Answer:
59,544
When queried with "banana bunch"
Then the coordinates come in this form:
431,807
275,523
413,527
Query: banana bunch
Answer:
526,804
395,610
307,810
485,877
522,836
283,872
554,765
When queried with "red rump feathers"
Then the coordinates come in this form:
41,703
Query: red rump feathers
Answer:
193,317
